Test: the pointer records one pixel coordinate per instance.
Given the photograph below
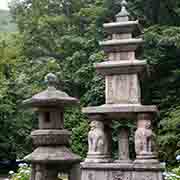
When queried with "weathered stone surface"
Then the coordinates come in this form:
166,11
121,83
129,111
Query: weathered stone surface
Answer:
123,102
51,96
114,171
121,45
105,171
120,67
48,154
50,137
123,89
51,118
119,111
121,27
51,155
98,141
145,138
123,56
123,145
147,176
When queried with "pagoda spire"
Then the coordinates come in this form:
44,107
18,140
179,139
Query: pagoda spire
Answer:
123,15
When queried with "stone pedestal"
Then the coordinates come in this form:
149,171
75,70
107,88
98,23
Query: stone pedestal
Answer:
106,171
114,171
150,171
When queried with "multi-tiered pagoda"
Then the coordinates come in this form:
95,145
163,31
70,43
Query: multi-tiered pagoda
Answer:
122,72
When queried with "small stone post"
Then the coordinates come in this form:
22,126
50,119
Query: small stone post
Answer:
51,155
123,144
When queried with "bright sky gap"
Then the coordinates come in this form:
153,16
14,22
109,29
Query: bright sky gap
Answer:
4,4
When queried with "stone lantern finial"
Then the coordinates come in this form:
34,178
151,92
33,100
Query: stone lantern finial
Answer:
123,13
51,80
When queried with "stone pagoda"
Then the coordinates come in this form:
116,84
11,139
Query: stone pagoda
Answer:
122,72
51,155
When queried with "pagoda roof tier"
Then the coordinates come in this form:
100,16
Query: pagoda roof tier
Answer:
119,111
121,27
51,96
59,154
120,67
119,45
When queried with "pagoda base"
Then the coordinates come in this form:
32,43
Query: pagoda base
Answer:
123,161
97,158
117,171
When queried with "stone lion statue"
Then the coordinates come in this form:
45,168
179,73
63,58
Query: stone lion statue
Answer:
97,139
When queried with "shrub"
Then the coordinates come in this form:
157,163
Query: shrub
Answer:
23,173
174,174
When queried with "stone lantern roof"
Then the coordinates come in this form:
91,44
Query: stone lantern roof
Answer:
51,96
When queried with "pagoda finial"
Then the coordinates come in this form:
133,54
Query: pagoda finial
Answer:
51,80
123,12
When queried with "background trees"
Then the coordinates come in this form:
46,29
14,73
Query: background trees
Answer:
62,37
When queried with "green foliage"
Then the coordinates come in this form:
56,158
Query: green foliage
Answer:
174,173
23,173
20,78
78,124
162,86
150,12
62,37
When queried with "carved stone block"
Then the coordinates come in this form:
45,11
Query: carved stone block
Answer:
123,89
106,171
147,176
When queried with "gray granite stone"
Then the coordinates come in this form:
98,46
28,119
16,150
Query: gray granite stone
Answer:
51,96
99,149
122,102
50,137
51,154
120,67
58,155
115,171
118,111
123,145
121,45
121,27
122,89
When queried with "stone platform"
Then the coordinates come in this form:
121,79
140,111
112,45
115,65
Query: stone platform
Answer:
116,171
118,111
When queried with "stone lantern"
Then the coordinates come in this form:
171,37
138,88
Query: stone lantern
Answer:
122,72
51,155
